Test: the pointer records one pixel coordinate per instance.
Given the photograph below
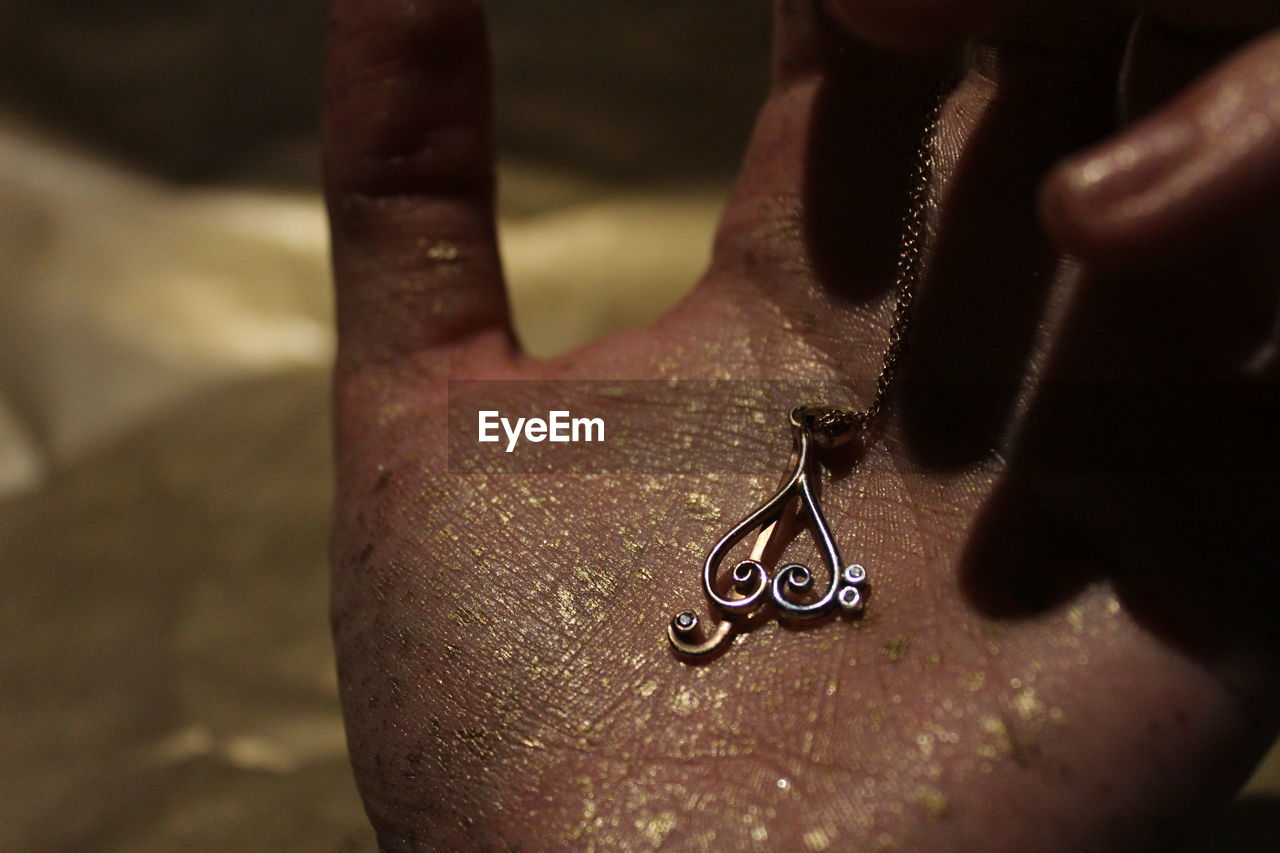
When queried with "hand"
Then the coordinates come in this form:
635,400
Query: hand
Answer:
1065,649
1191,171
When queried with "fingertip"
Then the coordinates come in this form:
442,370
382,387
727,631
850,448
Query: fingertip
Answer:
1107,205
1073,226
1197,170
407,99
1065,223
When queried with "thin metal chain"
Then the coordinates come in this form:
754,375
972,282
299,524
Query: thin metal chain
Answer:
836,426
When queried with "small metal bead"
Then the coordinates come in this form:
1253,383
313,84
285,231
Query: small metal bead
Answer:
850,599
685,623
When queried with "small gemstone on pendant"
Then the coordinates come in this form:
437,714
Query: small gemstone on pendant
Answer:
855,574
850,599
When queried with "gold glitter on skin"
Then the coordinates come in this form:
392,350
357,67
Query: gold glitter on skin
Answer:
701,507
896,647
654,830
999,742
1028,705
443,253
817,839
935,803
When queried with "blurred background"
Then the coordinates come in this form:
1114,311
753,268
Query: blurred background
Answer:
165,670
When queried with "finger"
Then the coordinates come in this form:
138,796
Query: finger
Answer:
1144,362
1182,179
816,208
1041,85
918,25
409,176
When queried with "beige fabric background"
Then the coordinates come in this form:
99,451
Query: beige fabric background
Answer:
165,672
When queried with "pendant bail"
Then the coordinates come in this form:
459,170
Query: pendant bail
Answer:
829,427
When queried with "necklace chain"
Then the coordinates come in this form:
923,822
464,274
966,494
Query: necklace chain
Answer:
830,426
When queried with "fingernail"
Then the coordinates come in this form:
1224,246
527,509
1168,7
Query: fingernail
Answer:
1127,170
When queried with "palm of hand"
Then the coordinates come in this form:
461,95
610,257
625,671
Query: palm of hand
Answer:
501,639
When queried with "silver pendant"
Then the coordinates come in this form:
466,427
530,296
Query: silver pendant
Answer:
751,587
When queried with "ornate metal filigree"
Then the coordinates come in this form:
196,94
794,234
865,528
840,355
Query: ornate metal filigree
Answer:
750,586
